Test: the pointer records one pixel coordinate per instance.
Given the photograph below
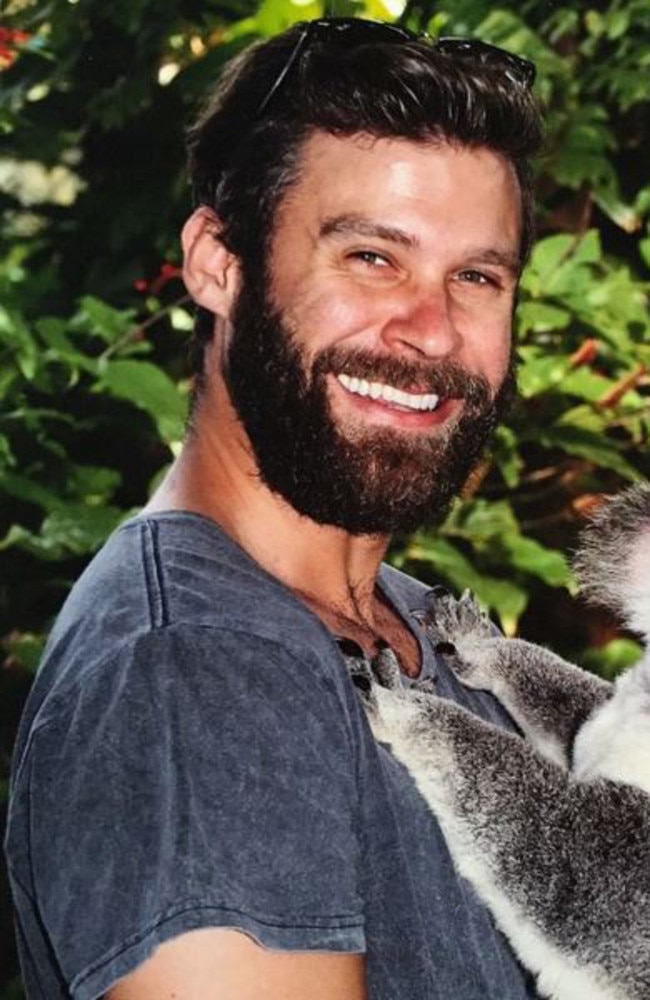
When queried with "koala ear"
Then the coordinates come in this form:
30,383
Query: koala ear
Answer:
210,270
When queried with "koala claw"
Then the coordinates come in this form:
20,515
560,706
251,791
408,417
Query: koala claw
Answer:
369,677
362,677
448,620
386,669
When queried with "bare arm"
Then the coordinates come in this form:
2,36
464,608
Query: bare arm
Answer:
225,964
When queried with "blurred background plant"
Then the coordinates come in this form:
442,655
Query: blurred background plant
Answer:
94,320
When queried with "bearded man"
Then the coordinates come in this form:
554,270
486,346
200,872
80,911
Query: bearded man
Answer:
198,807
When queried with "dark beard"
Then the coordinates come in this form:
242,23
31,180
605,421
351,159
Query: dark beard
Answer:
366,480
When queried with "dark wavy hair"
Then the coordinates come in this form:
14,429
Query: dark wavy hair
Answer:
243,160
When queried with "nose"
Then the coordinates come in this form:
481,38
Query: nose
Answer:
422,325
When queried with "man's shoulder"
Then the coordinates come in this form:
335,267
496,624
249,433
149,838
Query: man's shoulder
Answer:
179,568
171,597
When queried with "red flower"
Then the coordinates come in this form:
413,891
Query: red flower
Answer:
167,272
9,38
7,57
13,36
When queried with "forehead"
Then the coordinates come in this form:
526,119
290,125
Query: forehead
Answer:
426,188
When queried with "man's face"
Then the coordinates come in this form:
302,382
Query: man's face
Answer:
370,366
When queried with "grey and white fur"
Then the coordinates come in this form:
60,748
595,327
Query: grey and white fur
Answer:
552,829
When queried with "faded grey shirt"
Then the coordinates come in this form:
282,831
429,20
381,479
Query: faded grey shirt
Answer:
193,754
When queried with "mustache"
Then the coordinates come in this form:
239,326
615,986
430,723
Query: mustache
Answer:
446,379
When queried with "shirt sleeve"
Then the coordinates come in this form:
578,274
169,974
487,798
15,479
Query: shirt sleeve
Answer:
201,778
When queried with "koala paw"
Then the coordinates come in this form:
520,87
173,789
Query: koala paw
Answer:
362,677
395,713
463,634
448,620
386,669
388,704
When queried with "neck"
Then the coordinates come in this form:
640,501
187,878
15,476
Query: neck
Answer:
216,475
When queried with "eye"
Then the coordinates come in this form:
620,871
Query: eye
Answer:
473,277
371,258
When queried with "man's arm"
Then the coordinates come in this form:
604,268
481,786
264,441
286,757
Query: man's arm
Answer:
225,964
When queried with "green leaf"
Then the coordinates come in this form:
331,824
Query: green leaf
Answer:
20,537
586,384
97,317
555,252
446,559
70,530
532,557
492,527
585,444
7,458
644,249
540,317
506,456
150,389
181,319
24,488
583,157
549,254
15,334
93,484
594,23
608,198
507,599
274,16
53,332
79,529
540,374
479,519
612,659
617,23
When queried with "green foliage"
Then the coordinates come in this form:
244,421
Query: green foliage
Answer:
581,425
94,319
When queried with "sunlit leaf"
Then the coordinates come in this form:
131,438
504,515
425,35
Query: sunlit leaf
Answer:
587,445
530,556
97,317
150,389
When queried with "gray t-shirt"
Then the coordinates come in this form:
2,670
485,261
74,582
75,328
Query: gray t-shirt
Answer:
193,754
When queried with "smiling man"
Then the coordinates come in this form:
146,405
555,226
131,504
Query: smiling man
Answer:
199,810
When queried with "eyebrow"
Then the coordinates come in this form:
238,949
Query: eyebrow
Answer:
500,258
359,225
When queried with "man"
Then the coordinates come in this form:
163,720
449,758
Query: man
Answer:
199,809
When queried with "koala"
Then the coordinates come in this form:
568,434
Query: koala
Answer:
552,827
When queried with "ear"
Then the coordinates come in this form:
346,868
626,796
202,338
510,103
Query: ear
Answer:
210,271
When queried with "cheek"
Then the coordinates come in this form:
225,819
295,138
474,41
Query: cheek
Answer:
489,351
322,319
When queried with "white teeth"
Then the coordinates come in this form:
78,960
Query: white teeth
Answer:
389,394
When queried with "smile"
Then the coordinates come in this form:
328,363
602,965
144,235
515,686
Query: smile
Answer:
425,401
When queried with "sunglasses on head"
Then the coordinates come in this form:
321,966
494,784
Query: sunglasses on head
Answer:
351,32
